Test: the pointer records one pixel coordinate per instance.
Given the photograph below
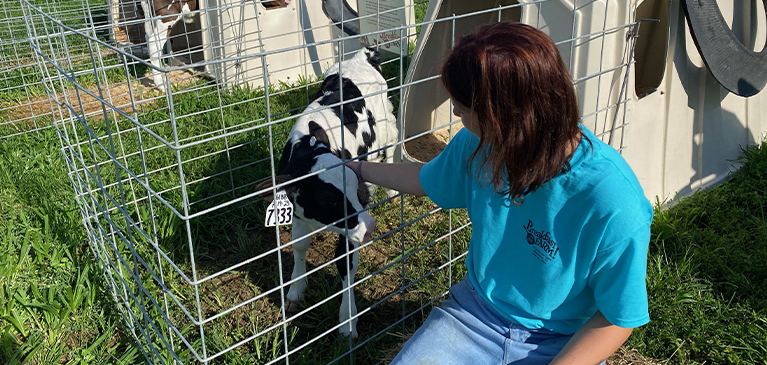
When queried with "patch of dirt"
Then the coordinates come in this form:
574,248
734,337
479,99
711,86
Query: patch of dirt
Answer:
425,148
371,257
130,34
118,95
75,339
230,286
625,356
24,115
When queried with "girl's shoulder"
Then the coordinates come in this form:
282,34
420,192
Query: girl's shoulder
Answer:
608,187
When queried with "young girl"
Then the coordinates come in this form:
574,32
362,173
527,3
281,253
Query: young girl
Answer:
560,225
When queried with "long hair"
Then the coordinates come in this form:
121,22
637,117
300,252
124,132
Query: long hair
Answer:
512,77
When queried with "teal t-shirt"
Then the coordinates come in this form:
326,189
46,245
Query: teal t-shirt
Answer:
577,244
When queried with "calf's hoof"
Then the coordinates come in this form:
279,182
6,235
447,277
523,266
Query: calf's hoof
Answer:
347,332
291,306
160,88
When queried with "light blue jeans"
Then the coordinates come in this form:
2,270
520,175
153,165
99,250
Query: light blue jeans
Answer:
465,329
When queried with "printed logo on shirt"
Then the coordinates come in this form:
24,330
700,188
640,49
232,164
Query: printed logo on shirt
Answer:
544,248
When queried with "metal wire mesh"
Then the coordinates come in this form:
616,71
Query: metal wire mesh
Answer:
24,104
165,178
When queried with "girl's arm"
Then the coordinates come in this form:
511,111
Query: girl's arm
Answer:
399,176
593,343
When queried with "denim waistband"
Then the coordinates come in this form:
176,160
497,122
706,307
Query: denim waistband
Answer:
468,297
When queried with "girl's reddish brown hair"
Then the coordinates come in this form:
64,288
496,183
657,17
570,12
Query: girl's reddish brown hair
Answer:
512,77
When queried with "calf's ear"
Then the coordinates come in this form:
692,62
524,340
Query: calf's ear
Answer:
363,194
279,179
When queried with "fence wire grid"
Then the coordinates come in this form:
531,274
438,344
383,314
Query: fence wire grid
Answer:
24,104
164,154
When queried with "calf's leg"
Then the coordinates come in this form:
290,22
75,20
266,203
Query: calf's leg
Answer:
296,292
348,305
156,37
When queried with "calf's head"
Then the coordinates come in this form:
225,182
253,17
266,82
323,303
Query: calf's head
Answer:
174,7
319,200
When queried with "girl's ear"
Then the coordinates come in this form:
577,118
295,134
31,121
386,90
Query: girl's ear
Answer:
279,179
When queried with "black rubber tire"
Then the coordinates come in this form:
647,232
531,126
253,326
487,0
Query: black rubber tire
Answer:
340,9
736,67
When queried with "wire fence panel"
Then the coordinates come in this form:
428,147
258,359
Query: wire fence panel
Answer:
24,104
165,154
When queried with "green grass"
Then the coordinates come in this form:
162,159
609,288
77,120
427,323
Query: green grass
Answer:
13,31
220,240
53,305
707,273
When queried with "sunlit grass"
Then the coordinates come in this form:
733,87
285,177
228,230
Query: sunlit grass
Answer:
707,273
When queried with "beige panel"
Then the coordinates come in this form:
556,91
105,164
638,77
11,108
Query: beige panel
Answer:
236,32
686,135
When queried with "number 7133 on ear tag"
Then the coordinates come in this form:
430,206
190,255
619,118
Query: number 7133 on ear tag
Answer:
280,211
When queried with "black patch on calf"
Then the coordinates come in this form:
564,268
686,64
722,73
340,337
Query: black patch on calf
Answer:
369,138
374,59
330,94
341,264
363,194
284,159
372,124
346,155
322,202
298,158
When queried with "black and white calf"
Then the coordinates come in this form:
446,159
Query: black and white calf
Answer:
315,144
161,16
